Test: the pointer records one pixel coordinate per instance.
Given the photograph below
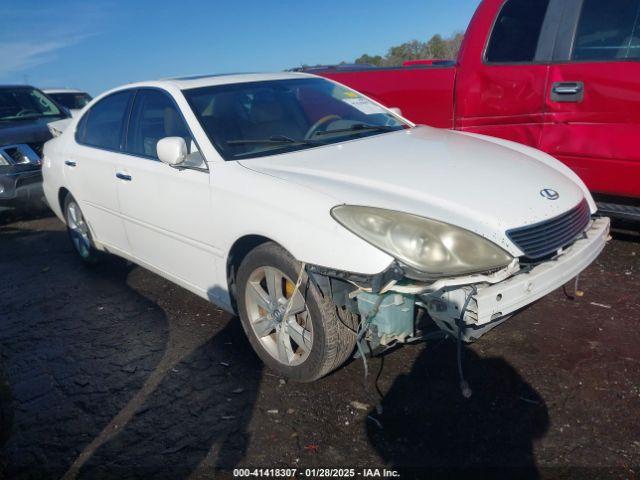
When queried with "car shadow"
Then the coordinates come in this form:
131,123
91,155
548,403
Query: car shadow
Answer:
114,371
12,215
427,428
195,422
6,416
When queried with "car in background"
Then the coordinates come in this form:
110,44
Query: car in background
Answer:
325,220
25,114
562,76
70,98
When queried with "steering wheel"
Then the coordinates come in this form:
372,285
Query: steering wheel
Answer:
25,111
316,126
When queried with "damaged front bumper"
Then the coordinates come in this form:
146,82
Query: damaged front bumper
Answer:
520,290
483,301
492,303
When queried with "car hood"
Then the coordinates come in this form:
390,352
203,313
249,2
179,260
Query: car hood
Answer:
470,182
25,131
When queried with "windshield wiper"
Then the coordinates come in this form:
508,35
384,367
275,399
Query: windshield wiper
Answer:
275,140
359,127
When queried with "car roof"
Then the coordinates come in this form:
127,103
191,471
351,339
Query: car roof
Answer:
62,90
197,81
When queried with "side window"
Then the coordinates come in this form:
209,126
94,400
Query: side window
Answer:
103,125
608,30
154,117
517,31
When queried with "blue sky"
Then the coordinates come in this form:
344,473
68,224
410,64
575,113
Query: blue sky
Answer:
96,45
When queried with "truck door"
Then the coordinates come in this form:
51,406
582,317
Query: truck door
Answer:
593,96
503,71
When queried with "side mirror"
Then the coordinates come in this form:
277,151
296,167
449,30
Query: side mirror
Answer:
396,110
172,150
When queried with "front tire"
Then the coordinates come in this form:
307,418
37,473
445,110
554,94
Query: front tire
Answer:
79,232
312,340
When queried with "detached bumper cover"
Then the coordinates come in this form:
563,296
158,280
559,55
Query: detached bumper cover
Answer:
506,297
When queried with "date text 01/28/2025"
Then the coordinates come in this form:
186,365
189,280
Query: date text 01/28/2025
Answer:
315,473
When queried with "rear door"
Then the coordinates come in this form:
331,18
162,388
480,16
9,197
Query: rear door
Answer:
166,210
501,83
90,167
593,95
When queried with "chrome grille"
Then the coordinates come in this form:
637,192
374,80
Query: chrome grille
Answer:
546,237
20,154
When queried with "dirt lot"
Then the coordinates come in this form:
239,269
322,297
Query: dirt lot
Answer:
116,373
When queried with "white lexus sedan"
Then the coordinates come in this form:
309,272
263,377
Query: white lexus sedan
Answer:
324,220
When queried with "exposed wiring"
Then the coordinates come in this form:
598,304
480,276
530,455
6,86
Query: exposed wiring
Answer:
295,290
362,330
364,326
576,289
464,386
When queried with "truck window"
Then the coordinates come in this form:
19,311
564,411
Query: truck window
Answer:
608,30
516,31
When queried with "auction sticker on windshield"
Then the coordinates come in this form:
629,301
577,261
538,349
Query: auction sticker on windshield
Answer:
364,105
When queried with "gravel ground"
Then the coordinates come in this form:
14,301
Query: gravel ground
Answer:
113,372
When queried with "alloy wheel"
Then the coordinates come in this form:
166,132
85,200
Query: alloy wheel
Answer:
268,294
78,229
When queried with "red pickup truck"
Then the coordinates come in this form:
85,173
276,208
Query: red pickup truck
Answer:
562,76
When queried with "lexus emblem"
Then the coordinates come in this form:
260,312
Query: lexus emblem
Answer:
549,194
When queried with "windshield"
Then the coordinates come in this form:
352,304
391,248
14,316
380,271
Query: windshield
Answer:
26,103
246,120
71,100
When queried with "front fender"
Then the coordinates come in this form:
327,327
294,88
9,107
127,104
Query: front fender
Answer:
252,203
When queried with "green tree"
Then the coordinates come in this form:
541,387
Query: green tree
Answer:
411,50
436,47
370,60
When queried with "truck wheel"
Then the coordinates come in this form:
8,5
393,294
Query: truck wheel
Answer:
311,341
79,231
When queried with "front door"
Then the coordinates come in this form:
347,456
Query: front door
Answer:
166,210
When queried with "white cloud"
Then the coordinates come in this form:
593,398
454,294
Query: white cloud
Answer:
32,37
19,56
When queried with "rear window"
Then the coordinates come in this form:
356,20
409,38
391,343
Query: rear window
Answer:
71,100
608,30
516,32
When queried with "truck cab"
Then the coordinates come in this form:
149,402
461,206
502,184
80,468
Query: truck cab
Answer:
559,75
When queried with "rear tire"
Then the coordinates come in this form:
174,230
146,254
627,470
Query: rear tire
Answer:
79,232
265,284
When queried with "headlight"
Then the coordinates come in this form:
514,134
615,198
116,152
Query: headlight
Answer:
428,246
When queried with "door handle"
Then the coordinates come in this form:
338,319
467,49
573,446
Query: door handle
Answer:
568,89
70,163
567,92
123,176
